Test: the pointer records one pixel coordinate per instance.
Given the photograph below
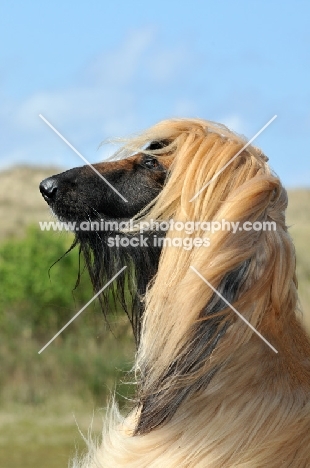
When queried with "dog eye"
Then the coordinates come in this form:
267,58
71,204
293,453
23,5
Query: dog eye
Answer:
151,163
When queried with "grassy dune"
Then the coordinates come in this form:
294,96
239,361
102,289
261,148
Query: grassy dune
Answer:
20,199
298,218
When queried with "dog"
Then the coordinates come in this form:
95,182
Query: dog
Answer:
223,362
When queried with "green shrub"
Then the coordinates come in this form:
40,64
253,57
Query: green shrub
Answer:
36,301
39,295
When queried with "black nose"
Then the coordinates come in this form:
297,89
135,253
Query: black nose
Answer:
48,188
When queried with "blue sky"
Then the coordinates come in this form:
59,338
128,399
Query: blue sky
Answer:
100,70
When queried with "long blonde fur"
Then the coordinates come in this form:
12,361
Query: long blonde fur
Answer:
254,409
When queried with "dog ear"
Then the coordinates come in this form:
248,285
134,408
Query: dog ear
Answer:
185,375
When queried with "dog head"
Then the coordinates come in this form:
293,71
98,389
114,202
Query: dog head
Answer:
110,190
113,191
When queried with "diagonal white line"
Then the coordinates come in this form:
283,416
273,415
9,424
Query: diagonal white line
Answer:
82,157
235,310
232,159
83,308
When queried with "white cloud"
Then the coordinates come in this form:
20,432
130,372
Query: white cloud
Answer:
106,100
236,123
119,67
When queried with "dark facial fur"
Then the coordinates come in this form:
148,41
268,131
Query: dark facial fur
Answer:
80,195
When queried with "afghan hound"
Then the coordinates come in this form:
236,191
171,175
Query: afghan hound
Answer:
210,393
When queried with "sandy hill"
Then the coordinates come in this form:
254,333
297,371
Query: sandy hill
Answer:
20,200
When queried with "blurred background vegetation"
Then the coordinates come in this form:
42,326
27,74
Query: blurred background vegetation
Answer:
45,397
75,375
